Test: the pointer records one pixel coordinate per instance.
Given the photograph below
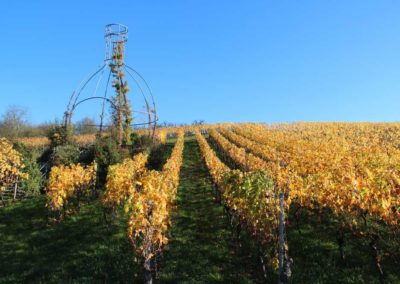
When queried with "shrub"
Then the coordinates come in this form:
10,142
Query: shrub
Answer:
59,135
65,155
156,157
34,183
106,153
141,142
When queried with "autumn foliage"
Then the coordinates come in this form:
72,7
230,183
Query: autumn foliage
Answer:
11,165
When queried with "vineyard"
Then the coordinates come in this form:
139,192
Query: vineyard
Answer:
226,203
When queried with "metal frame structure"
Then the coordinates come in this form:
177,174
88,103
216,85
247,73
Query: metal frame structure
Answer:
114,34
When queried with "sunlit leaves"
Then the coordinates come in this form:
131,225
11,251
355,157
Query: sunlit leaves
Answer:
250,195
347,167
122,179
66,181
11,165
148,198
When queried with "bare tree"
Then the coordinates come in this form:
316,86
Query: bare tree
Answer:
13,122
86,125
198,122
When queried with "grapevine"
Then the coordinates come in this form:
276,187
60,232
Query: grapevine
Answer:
345,174
67,181
121,179
11,165
251,196
149,198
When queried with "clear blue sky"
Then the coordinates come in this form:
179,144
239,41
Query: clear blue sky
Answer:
214,60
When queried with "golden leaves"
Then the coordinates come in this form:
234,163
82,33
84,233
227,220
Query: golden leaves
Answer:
250,195
11,165
148,198
122,179
343,166
65,181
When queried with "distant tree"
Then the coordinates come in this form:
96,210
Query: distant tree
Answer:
198,122
41,129
166,124
44,128
86,125
13,122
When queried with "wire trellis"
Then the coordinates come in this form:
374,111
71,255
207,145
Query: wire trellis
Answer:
114,34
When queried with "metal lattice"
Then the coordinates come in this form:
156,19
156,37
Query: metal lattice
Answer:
144,108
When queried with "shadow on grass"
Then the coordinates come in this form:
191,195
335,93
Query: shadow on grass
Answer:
159,155
316,253
81,249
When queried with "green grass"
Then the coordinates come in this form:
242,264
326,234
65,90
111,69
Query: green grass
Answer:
316,254
160,155
80,249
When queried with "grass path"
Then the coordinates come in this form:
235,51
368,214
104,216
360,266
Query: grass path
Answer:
201,248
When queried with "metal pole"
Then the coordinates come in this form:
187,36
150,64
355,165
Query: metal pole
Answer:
15,189
281,245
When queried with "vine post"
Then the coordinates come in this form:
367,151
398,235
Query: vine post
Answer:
147,253
283,257
15,189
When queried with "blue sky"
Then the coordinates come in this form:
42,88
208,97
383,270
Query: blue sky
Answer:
222,60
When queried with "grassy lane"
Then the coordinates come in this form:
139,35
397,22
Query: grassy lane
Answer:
201,248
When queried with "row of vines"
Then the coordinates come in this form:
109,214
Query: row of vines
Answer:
350,170
263,176
146,197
